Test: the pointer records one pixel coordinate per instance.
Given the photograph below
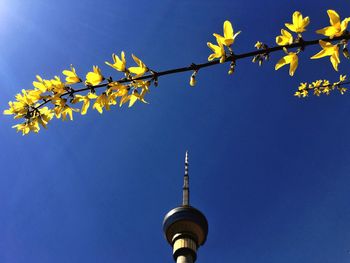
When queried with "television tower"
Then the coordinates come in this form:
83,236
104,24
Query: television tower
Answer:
185,227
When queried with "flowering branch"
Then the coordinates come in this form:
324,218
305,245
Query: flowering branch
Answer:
31,105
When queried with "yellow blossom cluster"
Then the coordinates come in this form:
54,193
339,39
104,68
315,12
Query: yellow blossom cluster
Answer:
29,105
298,25
223,41
337,28
319,87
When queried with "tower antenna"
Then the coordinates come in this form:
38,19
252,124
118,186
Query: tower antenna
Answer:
185,188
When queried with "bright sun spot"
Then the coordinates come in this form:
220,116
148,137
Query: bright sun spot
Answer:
5,15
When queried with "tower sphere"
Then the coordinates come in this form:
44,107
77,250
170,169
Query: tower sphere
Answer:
185,219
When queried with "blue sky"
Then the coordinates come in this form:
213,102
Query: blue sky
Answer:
270,171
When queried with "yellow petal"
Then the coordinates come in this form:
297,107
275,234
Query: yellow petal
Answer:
68,73
85,106
333,17
283,61
285,33
234,36
293,65
291,27
334,62
320,54
327,31
296,18
213,47
305,22
219,38
228,30
70,113
136,70
133,98
137,60
222,59
211,57
344,24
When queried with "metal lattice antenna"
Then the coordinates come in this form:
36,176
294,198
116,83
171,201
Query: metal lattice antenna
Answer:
185,188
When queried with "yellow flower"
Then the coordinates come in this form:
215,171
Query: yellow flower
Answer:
11,110
94,77
23,104
63,110
228,37
342,90
317,92
26,127
141,84
304,93
27,99
140,70
121,91
329,50
316,84
219,52
342,78
119,64
101,101
259,45
302,86
45,116
297,94
58,86
135,96
299,23
291,58
71,76
336,28
66,111
42,84
285,38
86,101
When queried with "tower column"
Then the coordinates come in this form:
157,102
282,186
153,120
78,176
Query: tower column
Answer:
184,259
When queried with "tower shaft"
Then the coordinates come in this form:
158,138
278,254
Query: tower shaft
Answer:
184,259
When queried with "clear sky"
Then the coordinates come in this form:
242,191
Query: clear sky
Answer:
270,171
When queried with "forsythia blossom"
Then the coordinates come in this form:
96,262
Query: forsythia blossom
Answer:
118,63
319,87
329,50
86,101
299,23
291,58
229,36
140,70
94,77
226,40
219,52
285,38
71,76
337,27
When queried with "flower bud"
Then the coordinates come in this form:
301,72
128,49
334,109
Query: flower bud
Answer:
192,80
346,53
232,68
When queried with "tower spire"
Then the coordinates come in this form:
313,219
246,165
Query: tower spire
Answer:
185,188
